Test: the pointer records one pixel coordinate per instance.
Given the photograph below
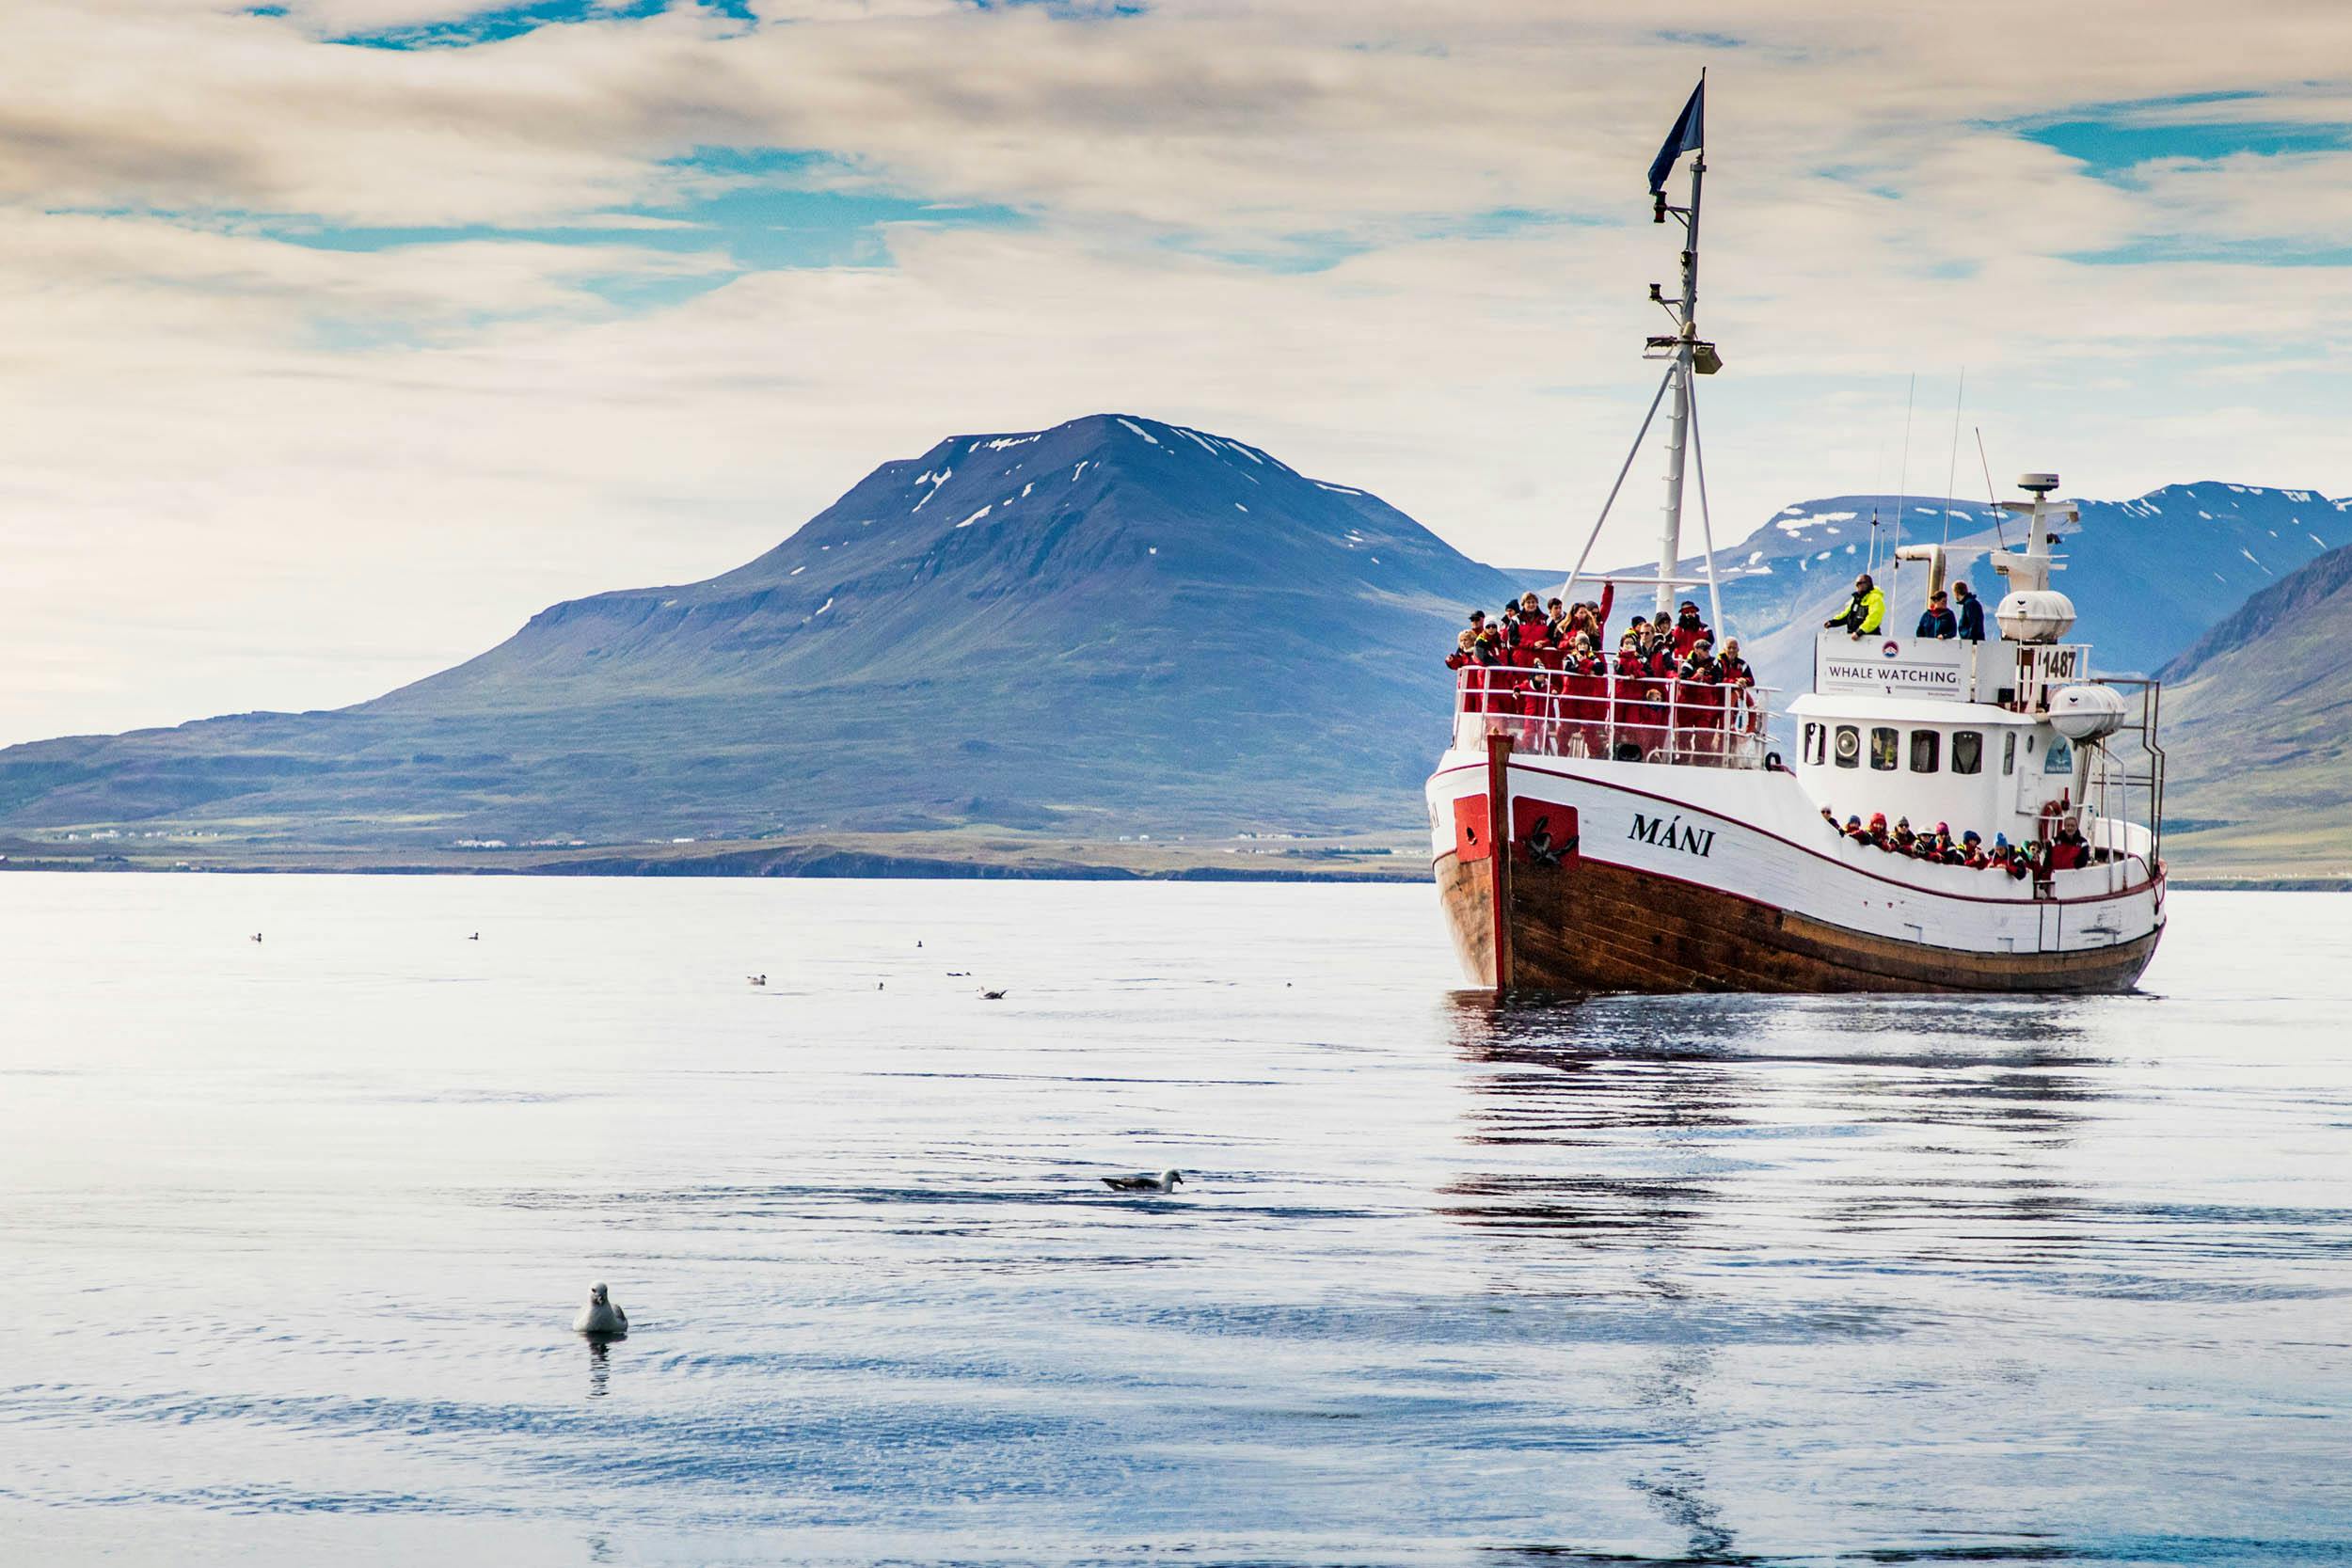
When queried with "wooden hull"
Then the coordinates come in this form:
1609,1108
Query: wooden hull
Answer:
1587,926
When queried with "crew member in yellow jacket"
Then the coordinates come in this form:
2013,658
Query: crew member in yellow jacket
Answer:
1864,611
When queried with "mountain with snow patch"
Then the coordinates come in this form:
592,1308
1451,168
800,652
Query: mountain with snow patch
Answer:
1117,625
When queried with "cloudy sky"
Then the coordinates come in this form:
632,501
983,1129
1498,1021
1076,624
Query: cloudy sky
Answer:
336,336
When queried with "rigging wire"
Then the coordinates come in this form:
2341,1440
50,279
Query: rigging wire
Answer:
1951,470
1665,568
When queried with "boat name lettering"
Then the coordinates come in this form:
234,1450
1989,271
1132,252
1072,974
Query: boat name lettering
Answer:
1946,679
1670,833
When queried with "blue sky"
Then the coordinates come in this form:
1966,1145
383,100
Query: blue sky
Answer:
345,334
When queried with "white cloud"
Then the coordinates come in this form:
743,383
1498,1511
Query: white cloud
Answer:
247,471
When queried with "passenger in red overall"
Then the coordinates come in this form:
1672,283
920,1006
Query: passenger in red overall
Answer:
1483,689
1689,631
1625,688
1736,671
1582,710
1703,698
1465,656
1652,717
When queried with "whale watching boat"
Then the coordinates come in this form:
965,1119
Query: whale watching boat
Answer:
1593,834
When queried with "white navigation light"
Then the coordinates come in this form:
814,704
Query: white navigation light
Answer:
2086,712
2035,615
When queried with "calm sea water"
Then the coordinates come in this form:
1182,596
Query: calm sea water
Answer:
294,1232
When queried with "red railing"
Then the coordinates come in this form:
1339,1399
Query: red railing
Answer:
1625,718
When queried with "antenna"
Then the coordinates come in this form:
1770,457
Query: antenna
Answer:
1991,499
1902,485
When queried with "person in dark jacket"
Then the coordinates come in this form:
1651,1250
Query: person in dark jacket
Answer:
1937,621
1971,612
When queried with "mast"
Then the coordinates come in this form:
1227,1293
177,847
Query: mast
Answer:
1688,354
1685,345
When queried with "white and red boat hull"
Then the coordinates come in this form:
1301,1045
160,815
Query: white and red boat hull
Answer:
1579,875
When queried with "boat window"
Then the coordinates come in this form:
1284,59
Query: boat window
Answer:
1923,749
1816,742
1968,751
2009,753
1849,746
1886,746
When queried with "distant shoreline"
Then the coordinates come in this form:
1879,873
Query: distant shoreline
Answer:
821,862
910,872
996,860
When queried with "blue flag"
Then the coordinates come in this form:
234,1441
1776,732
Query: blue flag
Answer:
1685,137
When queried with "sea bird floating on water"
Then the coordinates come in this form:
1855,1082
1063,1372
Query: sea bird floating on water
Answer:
600,1316
256,935
1164,1183
757,979
986,994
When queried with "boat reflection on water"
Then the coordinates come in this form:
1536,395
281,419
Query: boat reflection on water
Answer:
1735,1183
1643,1120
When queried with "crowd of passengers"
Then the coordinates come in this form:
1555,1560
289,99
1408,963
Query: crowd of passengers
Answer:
2067,850
1670,664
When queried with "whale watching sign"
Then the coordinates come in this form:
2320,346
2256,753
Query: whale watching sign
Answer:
1893,666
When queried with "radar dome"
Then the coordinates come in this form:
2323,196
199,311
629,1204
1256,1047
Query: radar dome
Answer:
2035,615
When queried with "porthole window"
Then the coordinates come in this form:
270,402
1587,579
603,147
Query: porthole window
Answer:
1885,748
1849,746
1968,751
1924,746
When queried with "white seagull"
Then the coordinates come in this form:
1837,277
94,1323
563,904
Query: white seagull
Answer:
600,1316
1164,1183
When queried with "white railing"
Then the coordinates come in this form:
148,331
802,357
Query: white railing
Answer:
1624,719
